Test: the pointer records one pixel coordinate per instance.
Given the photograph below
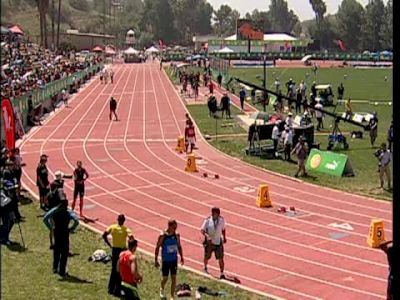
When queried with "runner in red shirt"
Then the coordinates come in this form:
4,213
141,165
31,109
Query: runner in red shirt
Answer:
190,136
211,87
80,175
128,269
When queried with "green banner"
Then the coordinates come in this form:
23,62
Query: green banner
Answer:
330,163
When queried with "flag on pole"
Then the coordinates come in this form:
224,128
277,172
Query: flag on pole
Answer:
341,45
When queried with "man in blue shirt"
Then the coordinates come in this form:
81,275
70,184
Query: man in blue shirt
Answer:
170,243
242,96
58,219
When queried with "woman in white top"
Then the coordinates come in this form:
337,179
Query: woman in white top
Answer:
287,142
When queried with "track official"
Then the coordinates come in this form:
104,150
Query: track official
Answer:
119,234
58,219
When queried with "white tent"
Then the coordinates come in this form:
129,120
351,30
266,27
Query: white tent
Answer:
152,49
225,50
130,50
130,32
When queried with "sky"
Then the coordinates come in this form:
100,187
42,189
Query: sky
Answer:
302,8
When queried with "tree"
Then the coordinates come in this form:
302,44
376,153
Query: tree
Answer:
260,19
387,29
282,19
373,25
225,20
319,8
350,17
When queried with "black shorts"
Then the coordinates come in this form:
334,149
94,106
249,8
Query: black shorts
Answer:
217,249
43,192
169,267
79,189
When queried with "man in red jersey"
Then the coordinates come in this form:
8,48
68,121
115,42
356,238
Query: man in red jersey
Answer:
128,269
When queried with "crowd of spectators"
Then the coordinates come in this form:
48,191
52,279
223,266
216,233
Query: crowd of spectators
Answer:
26,66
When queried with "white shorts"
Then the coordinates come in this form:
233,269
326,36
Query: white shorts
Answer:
190,140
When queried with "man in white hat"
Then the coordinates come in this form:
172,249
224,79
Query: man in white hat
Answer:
275,136
287,136
319,114
289,120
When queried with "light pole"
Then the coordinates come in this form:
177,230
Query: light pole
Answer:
265,95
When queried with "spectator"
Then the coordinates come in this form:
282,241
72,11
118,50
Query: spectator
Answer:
389,251
211,87
385,158
7,212
373,131
119,234
301,150
213,230
275,137
42,181
390,137
277,84
299,100
170,243
287,142
219,79
127,267
242,96
319,114
349,110
289,120
340,91
58,219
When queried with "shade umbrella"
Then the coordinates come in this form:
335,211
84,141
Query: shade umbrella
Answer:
97,49
306,58
16,30
131,50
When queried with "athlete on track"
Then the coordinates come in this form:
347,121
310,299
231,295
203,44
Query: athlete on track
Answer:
80,176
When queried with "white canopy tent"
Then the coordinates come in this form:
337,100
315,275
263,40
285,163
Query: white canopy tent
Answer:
152,49
225,50
130,50
306,58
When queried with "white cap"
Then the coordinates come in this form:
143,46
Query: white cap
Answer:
290,114
59,174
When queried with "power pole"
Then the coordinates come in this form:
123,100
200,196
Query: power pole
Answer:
58,23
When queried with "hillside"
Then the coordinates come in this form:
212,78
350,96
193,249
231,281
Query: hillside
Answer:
76,14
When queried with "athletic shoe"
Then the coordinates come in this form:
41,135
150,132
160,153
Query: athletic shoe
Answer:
205,270
162,294
222,276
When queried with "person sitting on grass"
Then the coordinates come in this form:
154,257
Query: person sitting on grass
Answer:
170,243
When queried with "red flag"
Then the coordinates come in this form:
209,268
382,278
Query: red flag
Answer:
341,45
7,114
162,45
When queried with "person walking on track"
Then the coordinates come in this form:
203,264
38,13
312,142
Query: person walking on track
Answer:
170,243
128,270
113,108
119,234
190,136
112,76
58,219
213,230
301,150
42,180
242,96
80,176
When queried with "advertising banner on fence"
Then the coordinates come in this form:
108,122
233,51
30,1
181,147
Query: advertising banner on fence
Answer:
330,163
7,114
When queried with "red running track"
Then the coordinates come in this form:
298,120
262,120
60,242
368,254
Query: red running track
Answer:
135,170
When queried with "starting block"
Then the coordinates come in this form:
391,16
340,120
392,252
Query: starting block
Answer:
216,176
376,233
263,198
180,147
205,175
282,210
191,164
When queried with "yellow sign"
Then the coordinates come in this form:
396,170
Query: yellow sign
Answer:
180,147
263,198
315,161
191,164
376,233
